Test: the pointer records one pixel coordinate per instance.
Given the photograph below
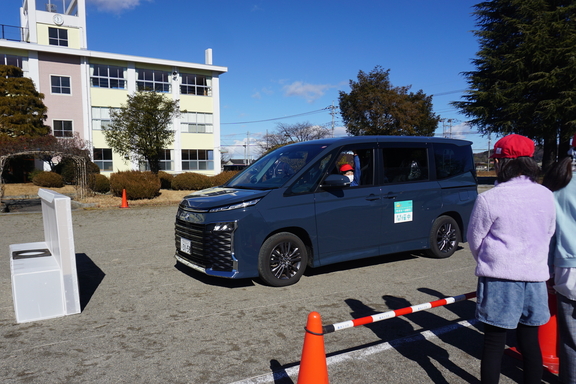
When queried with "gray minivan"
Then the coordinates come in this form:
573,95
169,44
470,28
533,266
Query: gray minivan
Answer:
293,207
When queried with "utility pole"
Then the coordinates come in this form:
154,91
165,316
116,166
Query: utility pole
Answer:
449,133
332,109
488,159
248,146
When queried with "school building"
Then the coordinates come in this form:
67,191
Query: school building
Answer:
80,86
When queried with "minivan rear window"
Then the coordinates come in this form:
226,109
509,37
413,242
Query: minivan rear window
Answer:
452,160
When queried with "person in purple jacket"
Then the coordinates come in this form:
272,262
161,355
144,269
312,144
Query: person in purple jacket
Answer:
509,234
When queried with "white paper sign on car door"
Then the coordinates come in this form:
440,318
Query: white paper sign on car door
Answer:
402,211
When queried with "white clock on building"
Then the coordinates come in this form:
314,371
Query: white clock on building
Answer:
58,19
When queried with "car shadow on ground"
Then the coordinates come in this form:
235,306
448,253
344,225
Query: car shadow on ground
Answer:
211,280
367,262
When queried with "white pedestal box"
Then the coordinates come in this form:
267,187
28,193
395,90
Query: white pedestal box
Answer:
44,277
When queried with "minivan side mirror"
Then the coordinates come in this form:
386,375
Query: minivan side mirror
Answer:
335,181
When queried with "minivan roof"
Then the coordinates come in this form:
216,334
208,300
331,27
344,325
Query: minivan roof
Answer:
387,139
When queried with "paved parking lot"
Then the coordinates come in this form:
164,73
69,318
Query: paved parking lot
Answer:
146,320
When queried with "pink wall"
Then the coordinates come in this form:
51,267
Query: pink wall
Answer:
62,106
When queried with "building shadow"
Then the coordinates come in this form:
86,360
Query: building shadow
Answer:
89,278
399,327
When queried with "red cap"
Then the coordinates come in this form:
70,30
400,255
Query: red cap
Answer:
513,146
346,168
574,140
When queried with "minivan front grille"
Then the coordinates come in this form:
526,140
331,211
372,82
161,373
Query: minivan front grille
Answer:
209,249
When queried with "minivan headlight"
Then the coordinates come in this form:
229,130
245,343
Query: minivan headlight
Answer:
236,206
222,227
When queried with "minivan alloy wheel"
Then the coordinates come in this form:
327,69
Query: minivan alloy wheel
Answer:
282,259
444,237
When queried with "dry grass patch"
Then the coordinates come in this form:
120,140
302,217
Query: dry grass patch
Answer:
29,190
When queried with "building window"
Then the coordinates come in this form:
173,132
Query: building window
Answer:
62,128
68,7
103,158
197,159
58,36
165,161
101,117
16,61
196,85
60,84
152,80
196,122
107,76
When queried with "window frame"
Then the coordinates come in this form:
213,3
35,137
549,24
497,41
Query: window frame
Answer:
96,74
62,129
60,88
194,84
104,158
61,38
154,80
190,122
166,162
188,162
98,120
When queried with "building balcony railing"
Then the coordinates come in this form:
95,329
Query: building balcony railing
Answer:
12,33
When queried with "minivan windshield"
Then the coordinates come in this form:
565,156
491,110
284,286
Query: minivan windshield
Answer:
276,168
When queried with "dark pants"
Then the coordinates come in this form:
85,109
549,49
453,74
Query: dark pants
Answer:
528,346
567,330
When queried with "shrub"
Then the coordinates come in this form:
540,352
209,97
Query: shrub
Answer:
99,183
67,168
138,185
32,174
48,179
165,180
191,181
222,177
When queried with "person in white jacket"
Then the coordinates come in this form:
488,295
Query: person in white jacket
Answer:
561,179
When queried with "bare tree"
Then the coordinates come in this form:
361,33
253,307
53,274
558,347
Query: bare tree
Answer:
292,133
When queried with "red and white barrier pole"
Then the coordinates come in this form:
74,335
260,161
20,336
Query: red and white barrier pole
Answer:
395,313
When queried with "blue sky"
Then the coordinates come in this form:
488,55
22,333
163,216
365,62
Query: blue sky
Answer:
292,57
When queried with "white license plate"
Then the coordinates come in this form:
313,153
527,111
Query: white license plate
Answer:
185,245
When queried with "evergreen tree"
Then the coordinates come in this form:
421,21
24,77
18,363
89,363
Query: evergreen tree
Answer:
22,111
141,128
525,77
375,107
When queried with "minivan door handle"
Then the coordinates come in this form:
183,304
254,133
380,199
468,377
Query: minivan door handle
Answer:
390,195
373,197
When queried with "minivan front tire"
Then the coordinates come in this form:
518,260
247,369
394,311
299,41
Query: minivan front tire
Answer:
282,259
444,237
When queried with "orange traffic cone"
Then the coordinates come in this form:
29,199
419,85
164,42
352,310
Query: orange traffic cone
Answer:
313,367
124,200
548,340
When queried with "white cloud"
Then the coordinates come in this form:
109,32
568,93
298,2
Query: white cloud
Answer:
310,92
115,6
458,131
265,91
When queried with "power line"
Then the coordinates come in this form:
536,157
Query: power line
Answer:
279,118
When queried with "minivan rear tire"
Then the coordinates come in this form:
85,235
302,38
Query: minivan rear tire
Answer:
282,259
444,237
